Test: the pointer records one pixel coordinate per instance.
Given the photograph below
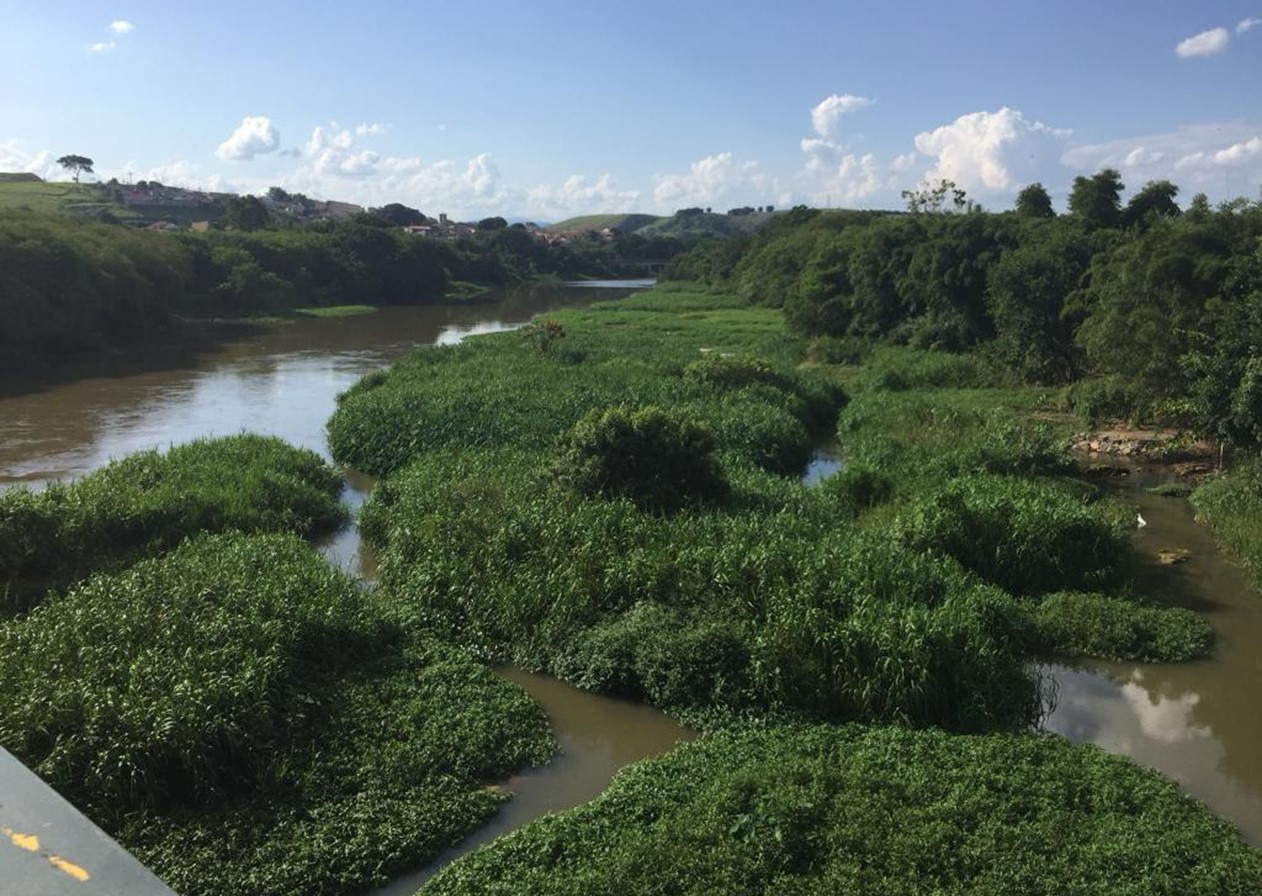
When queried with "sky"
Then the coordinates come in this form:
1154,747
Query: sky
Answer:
545,110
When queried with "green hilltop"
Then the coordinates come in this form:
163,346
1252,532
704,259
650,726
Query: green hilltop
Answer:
622,222
59,198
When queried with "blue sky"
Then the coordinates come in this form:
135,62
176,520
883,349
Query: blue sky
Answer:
550,109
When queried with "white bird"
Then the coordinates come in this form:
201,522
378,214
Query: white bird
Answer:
1140,521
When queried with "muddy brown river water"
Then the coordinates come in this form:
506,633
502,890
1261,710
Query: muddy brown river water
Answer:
1199,723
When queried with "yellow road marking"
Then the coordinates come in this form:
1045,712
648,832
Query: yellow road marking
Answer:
69,867
30,843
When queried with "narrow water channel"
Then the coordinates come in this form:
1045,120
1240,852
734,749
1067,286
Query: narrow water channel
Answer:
1199,723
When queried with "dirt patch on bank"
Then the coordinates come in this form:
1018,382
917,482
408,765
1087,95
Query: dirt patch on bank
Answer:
1112,449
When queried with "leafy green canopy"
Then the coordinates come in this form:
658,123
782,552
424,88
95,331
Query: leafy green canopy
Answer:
148,502
876,811
659,460
245,719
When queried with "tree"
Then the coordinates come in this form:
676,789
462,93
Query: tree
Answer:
1027,289
1155,200
244,213
1097,200
932,198
76,165
1034,202
399,215
492,223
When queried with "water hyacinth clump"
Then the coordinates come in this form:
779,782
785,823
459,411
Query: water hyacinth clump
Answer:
847,809
237,713
500,391
148,502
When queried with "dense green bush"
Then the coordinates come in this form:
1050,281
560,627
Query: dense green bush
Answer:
659,460
1072,623
841,810
767,601
896,369
147,502
922,438
245,719
1028,537
1231,504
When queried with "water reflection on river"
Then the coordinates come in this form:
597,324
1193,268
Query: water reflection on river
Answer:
1199,723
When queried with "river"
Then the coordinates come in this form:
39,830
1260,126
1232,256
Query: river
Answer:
1198,723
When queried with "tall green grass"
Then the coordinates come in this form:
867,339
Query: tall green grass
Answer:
1231,504
770,600
245,719
148,502
842,810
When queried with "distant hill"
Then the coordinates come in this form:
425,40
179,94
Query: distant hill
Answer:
625,223
49,197
695,226
14,177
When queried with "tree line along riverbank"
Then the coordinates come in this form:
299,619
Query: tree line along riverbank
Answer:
70,286
612,495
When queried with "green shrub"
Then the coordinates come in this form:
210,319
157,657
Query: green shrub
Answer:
1028,537
182,678
655,653
498,392
724,371
920,439
768,601
1102,399
659,460
896,369
1231,504
1075,624
857,488
848,810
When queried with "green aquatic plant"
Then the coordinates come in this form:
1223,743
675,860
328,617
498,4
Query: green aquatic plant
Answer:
1071,623
244,718
148,502
849,809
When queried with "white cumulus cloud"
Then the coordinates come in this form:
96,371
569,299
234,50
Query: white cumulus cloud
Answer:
255,136
102,46
826,116
578,195
1247,25
711,180
14,158
1204,157
992,151
122,26
1239,153
1207,43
